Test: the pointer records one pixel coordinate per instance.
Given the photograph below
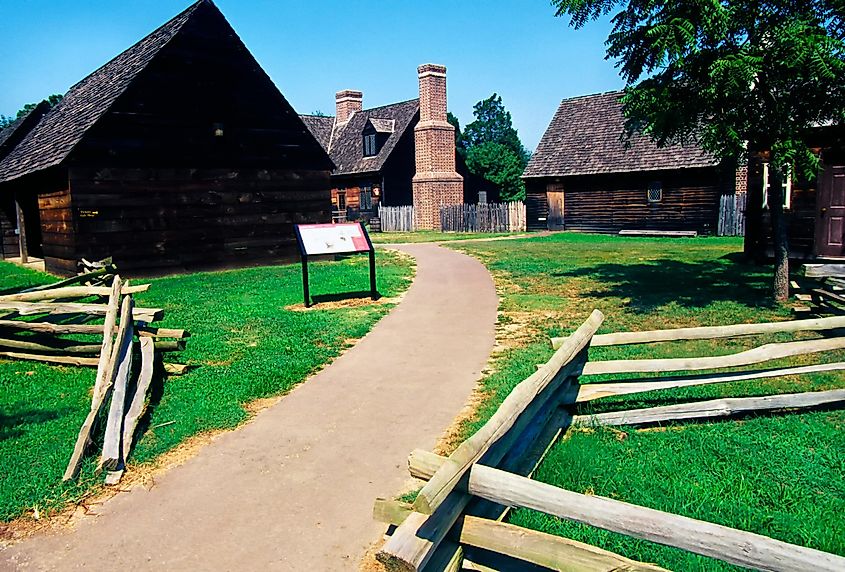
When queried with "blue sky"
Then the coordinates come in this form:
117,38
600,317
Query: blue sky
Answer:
313,49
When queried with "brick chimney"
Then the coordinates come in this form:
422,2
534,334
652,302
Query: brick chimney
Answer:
347,102
435,183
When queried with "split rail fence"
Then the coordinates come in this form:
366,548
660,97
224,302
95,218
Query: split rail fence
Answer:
732,215
54,324
457,519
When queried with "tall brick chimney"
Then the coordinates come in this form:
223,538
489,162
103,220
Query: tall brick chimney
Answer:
347,102
435,183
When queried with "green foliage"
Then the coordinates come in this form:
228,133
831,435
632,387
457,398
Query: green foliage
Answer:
498,164
727,72
460,146
247,342
493,150
5,121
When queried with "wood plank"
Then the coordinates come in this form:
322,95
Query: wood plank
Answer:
87,277
48,328
727,544
711,332
49,348
70,292
162,333
30,308
57,359
715,408
112,455
137,406
759,354
468,452
823,270
554,552
102,382
592,391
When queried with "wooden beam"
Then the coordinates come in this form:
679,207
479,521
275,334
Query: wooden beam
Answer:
85,277
29,308
47,328
21,231
592,391
112,455
554,552
163,332
756,355
70,292
102,384
57,359
727,544
823,270
711,332
471,450
137,406
714,408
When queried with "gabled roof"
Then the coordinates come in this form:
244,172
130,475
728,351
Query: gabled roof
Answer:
585,138
345,144
52,140
321,127
14,133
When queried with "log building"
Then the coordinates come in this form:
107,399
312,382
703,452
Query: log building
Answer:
814,211
179,152
585,177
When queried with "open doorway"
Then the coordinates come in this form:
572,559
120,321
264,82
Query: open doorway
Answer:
28,224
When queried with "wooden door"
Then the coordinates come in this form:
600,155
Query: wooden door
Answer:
830,212
554,196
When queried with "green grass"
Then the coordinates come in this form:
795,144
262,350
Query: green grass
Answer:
246,345
429,236
781,475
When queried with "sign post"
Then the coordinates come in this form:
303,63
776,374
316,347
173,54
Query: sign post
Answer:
335,238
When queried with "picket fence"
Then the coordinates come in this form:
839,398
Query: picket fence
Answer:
396,219
732,215
483,217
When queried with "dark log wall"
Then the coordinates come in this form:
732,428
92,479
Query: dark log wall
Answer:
9,247
58,231
398,171
146,218
614,202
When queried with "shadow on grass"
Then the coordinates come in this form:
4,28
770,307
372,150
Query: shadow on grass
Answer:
14,425
654,283
340,296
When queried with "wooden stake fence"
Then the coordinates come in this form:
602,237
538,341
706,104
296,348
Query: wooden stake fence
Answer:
443,527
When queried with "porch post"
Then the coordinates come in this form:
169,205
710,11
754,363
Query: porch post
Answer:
21,230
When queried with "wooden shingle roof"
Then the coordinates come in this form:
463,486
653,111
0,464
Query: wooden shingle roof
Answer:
345,144
585,138
52,140
14,133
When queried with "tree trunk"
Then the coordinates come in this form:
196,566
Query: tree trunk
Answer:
780,286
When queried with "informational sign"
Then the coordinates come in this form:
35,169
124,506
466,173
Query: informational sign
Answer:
334,238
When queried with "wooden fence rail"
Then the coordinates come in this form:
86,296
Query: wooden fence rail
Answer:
483,217
396,219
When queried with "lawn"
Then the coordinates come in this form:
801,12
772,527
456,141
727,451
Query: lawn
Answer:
250,340
782,476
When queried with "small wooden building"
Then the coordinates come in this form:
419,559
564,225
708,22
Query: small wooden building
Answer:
584,177
814,211
178,152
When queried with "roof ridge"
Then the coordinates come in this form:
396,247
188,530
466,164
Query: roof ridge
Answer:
592,95
389,105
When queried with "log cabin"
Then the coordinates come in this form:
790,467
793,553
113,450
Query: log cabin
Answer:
179,152
814,210
378,151
585,177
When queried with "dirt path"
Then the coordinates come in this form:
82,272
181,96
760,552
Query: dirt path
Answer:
293,490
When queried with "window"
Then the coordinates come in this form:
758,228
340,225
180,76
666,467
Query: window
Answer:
482,196
341,200
369,144
655,192
786,185
366,198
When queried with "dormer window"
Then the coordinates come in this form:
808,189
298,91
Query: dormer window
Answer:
370,144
